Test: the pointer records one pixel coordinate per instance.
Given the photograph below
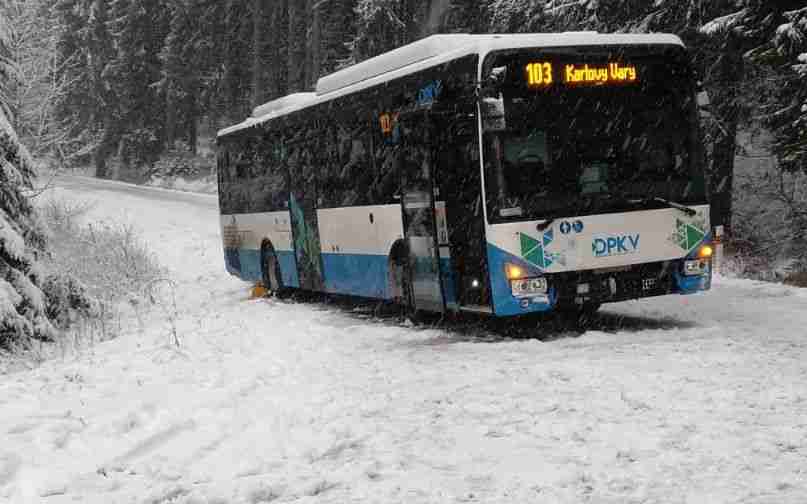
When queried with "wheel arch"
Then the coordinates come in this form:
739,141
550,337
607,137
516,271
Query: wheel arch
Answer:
399,252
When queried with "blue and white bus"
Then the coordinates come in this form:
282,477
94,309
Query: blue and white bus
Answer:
497,174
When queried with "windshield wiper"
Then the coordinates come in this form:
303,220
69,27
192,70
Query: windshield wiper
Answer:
671,204
677,206
545,225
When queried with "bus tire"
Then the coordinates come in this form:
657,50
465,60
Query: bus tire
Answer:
270,271
398,273
580,315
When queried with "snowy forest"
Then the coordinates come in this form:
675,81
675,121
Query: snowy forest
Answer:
120,86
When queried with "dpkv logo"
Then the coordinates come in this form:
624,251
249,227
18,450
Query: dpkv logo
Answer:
606,246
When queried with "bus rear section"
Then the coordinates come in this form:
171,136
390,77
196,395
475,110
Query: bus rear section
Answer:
593,177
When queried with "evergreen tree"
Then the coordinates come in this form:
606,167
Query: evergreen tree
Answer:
383,25
277,40
186,63
237,39
22,303
296,59
6,66
139,28
75,106
333,23
786,54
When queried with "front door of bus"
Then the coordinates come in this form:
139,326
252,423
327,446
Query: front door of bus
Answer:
419,217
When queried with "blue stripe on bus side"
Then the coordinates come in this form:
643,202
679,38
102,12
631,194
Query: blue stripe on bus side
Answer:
356,274
250,264
362,275
246,265
288,268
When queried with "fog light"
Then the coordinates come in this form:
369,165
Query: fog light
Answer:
693,268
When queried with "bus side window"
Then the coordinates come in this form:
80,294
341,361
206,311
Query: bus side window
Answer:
356,174
386,185
330,187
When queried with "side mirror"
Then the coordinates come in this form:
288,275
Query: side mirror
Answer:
491,86
703,100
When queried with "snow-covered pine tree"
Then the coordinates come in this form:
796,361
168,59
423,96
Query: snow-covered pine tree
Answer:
789,118
139,28
297,30
22,304
235,43
185,61
383,25
338,29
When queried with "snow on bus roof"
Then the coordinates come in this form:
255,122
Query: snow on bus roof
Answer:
428,52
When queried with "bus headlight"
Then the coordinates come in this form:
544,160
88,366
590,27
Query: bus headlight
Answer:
526,287
694,268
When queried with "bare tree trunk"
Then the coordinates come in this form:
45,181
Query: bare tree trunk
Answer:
730,72
170,118
193,121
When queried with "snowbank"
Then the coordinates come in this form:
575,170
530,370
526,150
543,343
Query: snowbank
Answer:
675,399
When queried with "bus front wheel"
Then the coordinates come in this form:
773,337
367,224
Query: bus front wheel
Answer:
581,315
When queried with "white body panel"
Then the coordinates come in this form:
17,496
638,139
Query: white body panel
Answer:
248,231
350,230
603,241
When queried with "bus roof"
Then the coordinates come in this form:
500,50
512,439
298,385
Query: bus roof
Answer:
429,52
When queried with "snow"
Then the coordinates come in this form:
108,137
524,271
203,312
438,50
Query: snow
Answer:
723,23
407,55
10,239
292,101
9,299
676,399
207,184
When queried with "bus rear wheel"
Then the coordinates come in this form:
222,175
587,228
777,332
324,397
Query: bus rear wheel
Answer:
270,272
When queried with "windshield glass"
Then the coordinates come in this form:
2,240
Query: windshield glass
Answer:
590,130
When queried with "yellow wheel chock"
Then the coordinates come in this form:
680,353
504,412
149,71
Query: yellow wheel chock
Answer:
258,291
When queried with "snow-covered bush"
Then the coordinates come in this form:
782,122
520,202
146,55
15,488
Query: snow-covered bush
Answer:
108,262
770,224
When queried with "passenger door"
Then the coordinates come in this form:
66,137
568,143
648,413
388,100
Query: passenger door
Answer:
420,227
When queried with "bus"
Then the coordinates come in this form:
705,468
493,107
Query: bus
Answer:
496,174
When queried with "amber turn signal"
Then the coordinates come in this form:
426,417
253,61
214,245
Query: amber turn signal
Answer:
513,271
706,252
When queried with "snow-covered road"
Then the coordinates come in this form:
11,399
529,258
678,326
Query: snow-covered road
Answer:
692,400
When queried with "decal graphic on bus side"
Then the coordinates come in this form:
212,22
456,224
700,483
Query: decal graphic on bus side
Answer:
688,235
536,252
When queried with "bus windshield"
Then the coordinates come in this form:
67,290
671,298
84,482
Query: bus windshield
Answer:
571,132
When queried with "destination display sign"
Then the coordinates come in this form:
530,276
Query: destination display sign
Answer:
541,74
